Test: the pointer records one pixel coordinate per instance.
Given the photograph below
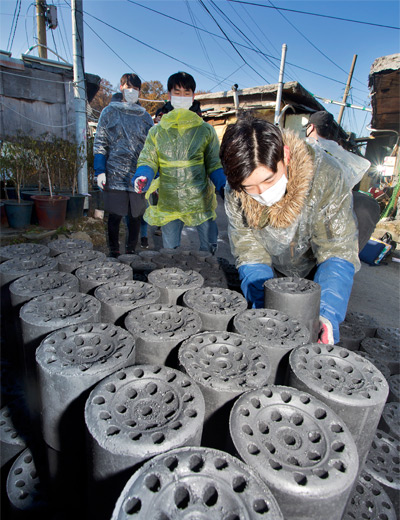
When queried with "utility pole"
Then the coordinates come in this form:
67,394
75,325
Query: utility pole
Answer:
347,89
79,91
280,85
41,28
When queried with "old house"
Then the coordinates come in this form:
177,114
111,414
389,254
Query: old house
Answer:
297,104
37,96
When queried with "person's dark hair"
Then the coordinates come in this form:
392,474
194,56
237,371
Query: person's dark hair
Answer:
181,79
131,80
323,122
247,144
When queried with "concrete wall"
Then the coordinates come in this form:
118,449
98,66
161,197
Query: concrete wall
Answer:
34,100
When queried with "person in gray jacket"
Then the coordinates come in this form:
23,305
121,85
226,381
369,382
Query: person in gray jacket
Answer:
290,213
120,136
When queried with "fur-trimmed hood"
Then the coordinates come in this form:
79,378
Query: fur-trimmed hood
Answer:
300,172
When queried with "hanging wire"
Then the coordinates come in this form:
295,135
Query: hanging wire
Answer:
200,39
227,77
26,29
242,45
315,14
242,33
220,28
54,41
254,22
17,10
68,53
197,69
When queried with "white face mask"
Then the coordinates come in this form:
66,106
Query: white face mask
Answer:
272,195
182,102
131,95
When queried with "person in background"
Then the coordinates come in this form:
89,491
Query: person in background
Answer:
185,151
289,213
320,132
120,136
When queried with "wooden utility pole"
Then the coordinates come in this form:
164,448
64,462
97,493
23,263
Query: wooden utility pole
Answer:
41,28
347,89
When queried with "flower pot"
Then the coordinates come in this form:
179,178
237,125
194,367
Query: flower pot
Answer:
11,192
27,194
4,221
74,205
18,213
51,211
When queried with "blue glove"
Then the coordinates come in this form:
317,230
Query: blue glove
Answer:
142,179
218,178
335,276
99,164
253,277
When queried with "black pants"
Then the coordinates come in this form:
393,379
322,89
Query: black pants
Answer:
113,232
367,212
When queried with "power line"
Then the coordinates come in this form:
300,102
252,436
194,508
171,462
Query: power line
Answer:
241,32
307,39
239,44
15,17
68,53
226,36
200,39
227,77
197,69
255,36
315,14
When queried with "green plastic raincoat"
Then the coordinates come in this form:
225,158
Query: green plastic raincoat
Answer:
185,151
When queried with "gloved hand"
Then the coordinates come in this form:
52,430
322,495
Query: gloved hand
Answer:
218,178
325,331
253,277
142,179
101,180
335,276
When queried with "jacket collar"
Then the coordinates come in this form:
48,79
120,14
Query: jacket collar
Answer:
286,211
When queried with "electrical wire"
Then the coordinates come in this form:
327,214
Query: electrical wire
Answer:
316,14
26,17
289,70
217,39
241,32
239,44
232,6
202,45
15,17
197,69
68,53
37,122
307,39
226,36
35,78
54,41
227,77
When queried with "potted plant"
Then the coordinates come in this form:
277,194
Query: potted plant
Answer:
69,159
17,164
50,209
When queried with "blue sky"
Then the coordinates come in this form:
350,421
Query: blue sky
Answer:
323,46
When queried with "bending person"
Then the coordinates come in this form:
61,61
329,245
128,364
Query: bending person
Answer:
319,132
290,213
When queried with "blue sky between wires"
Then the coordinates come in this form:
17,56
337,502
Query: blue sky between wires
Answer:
222,42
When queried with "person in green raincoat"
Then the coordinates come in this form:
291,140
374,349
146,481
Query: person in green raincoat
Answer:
184,149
